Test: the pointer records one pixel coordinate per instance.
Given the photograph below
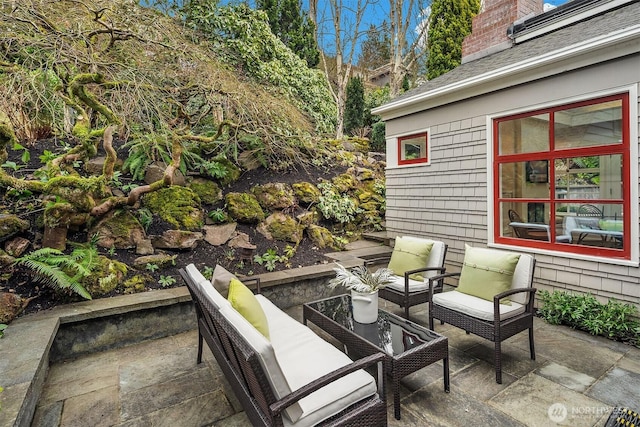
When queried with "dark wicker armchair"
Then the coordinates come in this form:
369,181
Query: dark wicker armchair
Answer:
489,319
407,292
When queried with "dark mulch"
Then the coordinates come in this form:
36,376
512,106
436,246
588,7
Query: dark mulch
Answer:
203,255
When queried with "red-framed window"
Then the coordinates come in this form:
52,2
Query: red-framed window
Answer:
561,178
413,149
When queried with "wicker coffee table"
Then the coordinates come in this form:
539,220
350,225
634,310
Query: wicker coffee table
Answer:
408,346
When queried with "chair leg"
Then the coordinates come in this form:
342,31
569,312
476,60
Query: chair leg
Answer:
200,339
532,349
406,311
498,361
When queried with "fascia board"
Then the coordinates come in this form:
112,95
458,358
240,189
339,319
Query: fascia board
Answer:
600,49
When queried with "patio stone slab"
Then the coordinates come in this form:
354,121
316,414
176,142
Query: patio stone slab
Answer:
152,369
578,352
97,408
567,377
202,410
618,387
631,361
163,394
47,416
479,381
539,402
453,409
515,361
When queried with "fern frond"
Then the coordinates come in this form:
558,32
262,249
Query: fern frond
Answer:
47,264
53,276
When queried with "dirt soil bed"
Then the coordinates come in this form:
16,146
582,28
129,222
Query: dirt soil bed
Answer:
203,255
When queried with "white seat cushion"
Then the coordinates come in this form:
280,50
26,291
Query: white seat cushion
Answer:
262,346
414,285
474,306
303,357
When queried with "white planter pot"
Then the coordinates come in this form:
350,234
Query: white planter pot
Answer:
365,306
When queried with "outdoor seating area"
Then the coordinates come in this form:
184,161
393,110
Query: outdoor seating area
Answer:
441,377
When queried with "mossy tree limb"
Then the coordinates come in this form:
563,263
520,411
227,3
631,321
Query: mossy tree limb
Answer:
78,88
136,193
112,156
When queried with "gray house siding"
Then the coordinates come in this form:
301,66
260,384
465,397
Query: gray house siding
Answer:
448,199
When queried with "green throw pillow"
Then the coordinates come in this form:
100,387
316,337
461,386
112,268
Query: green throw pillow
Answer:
486,273
610,225
409,254
245,303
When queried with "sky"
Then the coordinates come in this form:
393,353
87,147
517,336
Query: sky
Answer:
378,11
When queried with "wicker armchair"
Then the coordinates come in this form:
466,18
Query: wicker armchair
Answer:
407,292
489,319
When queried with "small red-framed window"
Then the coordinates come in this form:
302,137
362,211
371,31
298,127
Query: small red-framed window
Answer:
413,149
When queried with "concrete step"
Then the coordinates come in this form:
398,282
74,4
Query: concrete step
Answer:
377,236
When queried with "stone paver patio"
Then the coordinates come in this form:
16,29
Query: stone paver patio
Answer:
575,380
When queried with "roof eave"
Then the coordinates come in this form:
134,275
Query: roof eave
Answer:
589,52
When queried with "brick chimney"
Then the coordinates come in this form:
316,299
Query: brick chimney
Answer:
489,27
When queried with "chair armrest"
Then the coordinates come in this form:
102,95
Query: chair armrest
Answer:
439,278
418,270
497,298
512,292
280,405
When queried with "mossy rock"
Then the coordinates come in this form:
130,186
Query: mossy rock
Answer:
306,192
370,206
119,229
360,144
244,207
11,305
308,217
7,134
208,191
322,237
179,206
233,171
364,196
160,260
137,283
345,182
104,277
10,225
274,196
280,226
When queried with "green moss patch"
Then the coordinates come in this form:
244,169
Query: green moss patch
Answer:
176,205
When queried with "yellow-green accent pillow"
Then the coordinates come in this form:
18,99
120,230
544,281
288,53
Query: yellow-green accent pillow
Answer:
245,303
409,254
610,225
486,273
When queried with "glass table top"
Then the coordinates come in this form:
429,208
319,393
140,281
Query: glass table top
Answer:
391,333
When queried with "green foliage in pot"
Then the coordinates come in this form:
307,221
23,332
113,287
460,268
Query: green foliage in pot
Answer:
360,279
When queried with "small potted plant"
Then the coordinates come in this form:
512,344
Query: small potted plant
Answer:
364,286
